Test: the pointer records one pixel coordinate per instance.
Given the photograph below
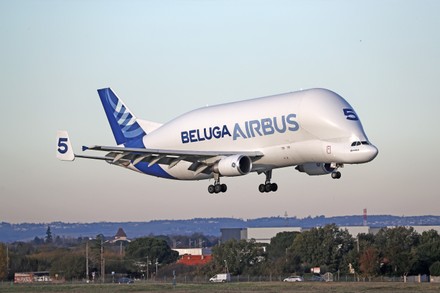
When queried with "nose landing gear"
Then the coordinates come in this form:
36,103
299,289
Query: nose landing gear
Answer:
336,175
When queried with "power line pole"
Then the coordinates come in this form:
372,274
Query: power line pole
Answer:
7,260
147,268
87,261
102,262
156,267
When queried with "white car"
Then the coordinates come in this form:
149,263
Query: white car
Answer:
293,279
221,278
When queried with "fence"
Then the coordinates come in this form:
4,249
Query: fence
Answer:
190,279
249,278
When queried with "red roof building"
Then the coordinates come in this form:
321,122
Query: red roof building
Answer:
194,260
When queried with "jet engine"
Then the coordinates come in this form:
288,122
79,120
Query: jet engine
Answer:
235,165
315,168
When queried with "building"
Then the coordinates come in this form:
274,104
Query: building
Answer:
32,277
194,256
233,233
356,230
352,230
194,260
421,229
120,236
261,235
193,251
120,239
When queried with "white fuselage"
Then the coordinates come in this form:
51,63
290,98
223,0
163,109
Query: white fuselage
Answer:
310,126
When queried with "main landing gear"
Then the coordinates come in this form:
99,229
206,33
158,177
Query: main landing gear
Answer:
217,187
267,186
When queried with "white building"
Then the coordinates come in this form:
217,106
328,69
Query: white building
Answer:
356,230
263,235
193,251
421,229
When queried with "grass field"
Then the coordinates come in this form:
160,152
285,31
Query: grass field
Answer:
230,287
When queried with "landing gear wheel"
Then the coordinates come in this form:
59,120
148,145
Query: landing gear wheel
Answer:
217,188
211,189
268,187
336,175
224,187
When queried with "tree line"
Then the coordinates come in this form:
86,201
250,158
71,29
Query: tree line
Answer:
395,251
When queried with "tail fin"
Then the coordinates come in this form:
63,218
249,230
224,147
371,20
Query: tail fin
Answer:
64,147
123,123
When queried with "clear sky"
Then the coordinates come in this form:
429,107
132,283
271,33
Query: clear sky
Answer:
168,57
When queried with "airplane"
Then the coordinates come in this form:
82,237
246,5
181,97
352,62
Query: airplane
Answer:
315,130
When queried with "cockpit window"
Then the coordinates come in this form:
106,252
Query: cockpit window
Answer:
356,143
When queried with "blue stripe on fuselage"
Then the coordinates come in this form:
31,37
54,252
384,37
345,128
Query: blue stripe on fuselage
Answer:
154,170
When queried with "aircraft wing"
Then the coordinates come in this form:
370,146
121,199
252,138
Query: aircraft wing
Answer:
200,160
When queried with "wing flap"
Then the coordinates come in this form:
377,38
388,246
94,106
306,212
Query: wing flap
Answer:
200,160
174,153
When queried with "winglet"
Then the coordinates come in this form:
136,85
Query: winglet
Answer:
64,147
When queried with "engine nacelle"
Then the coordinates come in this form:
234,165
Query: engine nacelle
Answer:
234,166
315,168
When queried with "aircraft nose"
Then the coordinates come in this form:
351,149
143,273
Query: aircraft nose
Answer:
370,153
363,154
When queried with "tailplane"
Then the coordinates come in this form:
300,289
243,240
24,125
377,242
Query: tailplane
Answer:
122,122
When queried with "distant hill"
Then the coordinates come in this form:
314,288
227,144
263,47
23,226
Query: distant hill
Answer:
207,226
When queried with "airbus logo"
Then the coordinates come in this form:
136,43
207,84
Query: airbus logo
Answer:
249,129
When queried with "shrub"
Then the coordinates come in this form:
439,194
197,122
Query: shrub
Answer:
434,269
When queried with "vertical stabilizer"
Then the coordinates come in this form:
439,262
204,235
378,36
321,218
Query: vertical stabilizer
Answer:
64,147
122,122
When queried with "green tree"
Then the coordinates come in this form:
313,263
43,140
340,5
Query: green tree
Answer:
153,248
64,262
49,238
279,244
277,253
3,262
434,269
397,248
427,252
239,256
325,247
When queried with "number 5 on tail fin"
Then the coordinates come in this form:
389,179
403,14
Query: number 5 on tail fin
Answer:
64,148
